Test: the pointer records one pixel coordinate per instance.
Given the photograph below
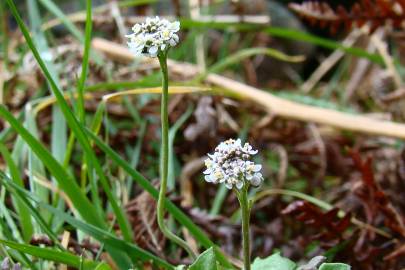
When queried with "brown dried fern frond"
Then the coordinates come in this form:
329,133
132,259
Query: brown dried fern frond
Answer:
374,12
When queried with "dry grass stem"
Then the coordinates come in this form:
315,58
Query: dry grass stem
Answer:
279,106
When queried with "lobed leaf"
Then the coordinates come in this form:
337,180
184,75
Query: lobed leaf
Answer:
274,262
206,261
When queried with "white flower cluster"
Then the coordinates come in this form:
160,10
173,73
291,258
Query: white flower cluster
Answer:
231,164
153,36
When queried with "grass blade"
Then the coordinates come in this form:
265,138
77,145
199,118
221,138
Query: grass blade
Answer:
51,254
35,166
59,129
58,133
85,63
4,40
147,81
172,135
22,210
7,215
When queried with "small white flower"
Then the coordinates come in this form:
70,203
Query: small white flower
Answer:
231,164
153,36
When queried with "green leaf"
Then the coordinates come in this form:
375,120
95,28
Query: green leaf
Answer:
151,80
334,266
102,266
22,210
274,262
53,255
172,135
85,63
132,3
58,124
206,261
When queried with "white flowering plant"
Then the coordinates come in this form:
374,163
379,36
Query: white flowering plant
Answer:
154,36
232,164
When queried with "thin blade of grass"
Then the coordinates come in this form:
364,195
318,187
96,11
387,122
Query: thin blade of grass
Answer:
85,63
7,214
86,167
51,254
35,166
219,199
58,133
172,135
147,81
136,154
4,39
131,3
59,129
22,210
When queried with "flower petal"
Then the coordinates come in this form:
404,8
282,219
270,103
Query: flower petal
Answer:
257,168
153,50
239,184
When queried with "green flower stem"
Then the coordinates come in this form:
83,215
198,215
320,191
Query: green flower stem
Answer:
164,164
245,206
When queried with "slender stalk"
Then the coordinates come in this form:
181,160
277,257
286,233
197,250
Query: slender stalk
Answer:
164,164
85,63
245,208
